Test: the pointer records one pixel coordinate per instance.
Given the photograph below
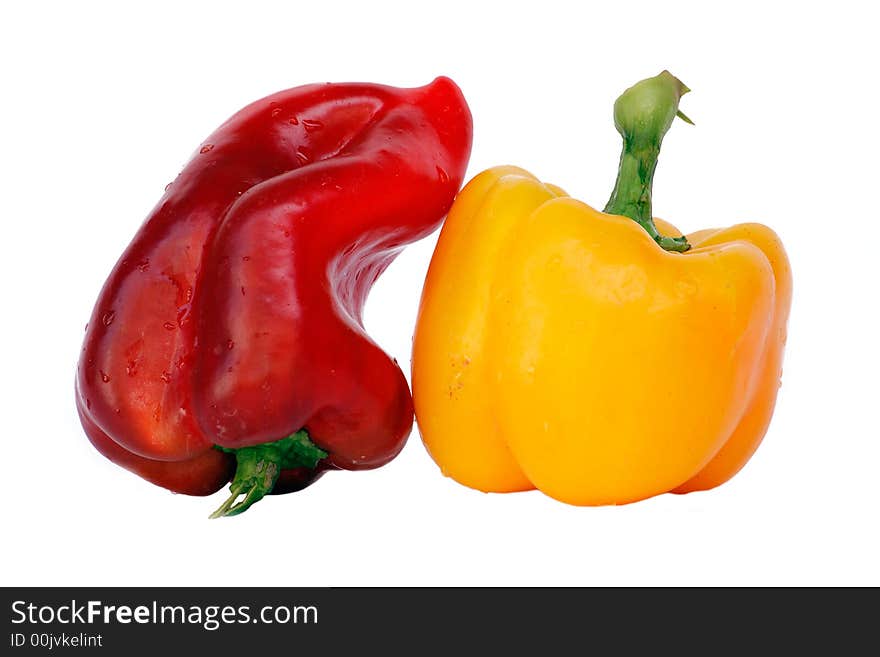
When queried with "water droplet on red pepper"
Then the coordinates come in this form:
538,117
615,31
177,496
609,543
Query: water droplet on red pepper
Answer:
165,376
131,368
276,111
442,175
104,376
311,125
170,326
180,283
293,121
182,315
108,317
230,344
206,148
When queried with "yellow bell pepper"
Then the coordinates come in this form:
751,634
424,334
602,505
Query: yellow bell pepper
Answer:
593,355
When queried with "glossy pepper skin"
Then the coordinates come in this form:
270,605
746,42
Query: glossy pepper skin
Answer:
583,354
234,318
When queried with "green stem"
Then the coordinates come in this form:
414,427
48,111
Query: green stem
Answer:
258,467
642,115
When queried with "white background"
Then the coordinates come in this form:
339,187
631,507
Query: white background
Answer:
103,104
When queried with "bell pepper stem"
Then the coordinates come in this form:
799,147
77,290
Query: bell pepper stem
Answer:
255,476
642,116
258,468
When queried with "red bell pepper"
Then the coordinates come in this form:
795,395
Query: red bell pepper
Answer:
229,336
